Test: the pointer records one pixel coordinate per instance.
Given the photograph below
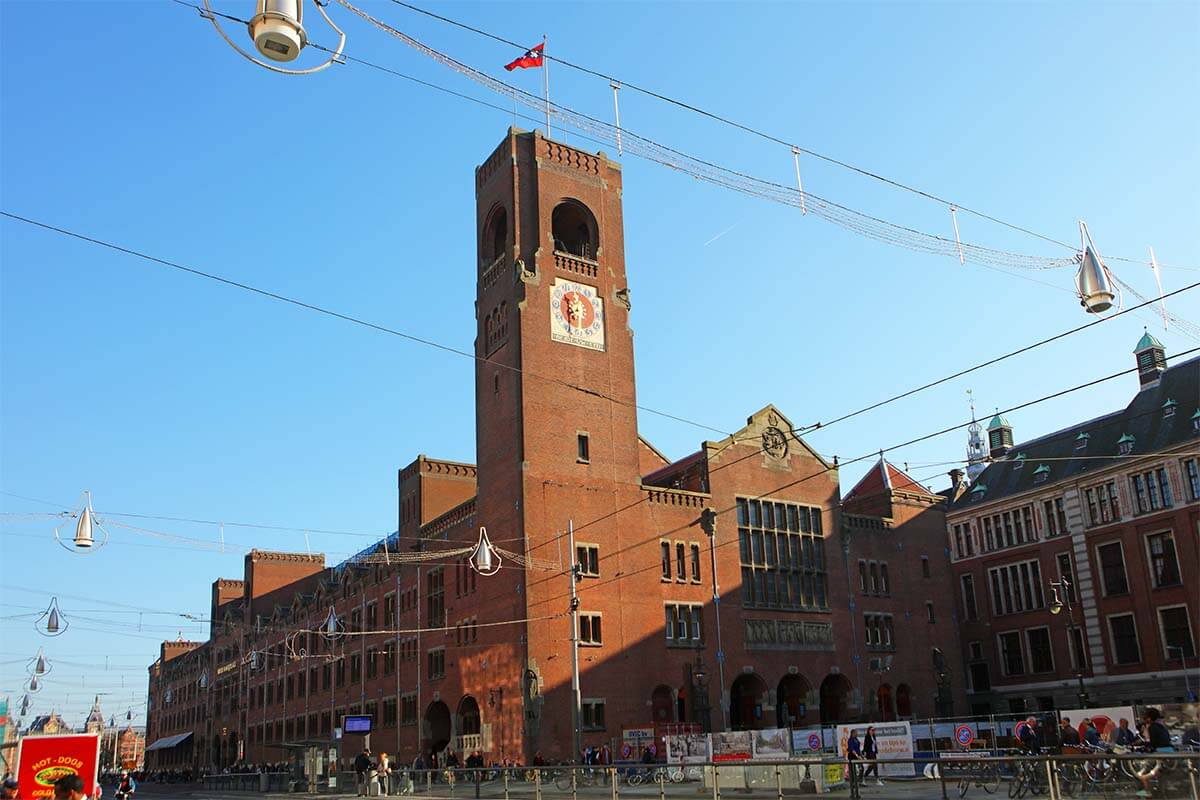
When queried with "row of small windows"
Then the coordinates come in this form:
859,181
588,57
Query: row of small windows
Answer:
1149,492
680,561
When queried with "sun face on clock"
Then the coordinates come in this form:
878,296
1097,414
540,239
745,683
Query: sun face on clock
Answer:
576,315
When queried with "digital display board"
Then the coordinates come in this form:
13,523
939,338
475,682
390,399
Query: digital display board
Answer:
356,724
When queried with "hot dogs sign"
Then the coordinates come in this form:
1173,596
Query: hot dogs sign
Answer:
576,315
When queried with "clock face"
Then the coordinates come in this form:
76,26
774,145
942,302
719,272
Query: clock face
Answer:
576,315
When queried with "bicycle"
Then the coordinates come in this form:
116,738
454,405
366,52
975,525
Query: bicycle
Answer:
1029,779
985,775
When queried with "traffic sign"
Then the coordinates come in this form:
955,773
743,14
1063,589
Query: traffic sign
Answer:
814,742
964,735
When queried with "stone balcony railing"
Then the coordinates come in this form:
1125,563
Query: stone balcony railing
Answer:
566,262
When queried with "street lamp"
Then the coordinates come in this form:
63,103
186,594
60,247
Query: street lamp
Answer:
1187,684
708,524
1061,591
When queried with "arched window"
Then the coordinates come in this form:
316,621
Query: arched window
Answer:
495,236
574,230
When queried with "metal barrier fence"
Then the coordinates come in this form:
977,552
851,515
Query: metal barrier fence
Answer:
247,781
1167,776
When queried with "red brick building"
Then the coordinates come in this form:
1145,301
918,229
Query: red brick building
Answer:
789,629
1111,504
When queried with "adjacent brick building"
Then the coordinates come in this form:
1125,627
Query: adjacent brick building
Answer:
791,629
1113,505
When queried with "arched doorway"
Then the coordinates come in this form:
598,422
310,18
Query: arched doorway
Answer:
468,716
746,698
662,705
791,700
437,722
883,702
904,701
834,690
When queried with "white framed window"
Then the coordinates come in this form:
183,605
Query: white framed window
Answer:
589,629
1162,559
1191,477
1113,577
1151,490
1102,504
588,558
1040,648
684,624
1012,658
1175,633
666,559
1123,638
1016,587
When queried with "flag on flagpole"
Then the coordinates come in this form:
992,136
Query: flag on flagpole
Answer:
533,58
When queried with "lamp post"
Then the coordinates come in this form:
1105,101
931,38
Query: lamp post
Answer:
708,523
1062,591
1187,684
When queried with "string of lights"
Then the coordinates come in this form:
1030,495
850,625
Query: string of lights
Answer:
790,145
851,219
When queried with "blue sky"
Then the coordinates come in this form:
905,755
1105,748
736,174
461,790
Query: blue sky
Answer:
166,395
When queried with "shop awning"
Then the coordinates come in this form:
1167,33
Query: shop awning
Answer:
168,742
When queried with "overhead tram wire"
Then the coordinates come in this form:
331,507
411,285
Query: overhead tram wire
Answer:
759,133
347,318
456,351
866,456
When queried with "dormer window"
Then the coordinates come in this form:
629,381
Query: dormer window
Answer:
1196,421
1169,408
1019,461
1081,441
1041,474
978,492
1125,444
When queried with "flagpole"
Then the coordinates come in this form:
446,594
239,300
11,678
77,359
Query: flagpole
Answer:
546,79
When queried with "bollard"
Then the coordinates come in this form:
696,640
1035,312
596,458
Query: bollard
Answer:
941,776
612,781
428,781
505,772
716,783
1190,764
778,783
662,783
854,787
574,788
537,784
477,783
1052,779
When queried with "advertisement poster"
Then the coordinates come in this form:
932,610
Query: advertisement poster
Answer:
41,760
687,748
771,744
893,739
1100,716
732,746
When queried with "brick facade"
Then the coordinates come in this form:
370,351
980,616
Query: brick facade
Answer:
557,443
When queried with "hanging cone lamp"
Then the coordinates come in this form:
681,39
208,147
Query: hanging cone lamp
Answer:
485,560
52,622
1093,280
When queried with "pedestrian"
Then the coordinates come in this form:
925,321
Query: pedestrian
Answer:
9,790
1068,734
1091,734
870,747
1124,736
362,766
853,755
125,787
384,770
69,787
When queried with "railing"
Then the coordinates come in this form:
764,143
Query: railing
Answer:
567,262
1167,776
491,272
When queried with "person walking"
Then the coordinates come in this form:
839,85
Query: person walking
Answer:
362,766
870,746
384,770
854,755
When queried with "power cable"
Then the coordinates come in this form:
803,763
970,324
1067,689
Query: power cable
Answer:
874,454
348,318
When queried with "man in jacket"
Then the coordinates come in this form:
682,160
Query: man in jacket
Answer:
362,766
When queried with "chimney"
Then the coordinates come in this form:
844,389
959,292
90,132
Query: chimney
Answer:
956,478
1151,359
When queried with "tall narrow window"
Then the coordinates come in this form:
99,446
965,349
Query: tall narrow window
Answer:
885,585
925,567
696,563
1176,634
970,609
1164,564
666,560
680,562
1126,649
583,448
1112,568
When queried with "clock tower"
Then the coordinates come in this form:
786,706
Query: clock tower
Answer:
556,423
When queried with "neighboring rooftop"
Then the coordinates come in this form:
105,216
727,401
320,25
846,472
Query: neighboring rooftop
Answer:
1161,416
